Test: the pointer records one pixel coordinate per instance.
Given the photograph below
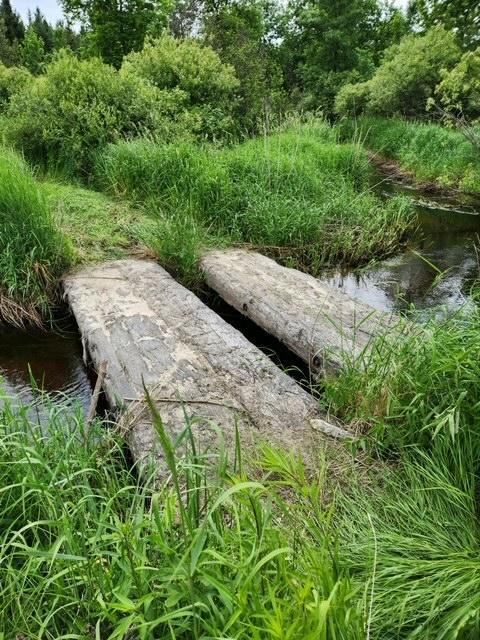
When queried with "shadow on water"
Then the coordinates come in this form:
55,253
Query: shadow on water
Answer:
53,359
437,268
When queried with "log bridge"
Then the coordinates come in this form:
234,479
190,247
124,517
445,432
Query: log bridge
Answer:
152,331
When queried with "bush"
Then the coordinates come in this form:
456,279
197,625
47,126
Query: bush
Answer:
63,117
352,99
408,75
196,70
12,80
459,90
32,253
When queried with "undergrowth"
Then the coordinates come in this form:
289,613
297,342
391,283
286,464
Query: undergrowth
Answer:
88,549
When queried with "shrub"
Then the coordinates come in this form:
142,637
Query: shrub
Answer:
32,253
459,90
408,75
209,85
12,79
63,117
352,99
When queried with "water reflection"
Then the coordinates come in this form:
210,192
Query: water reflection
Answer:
438,267
53,359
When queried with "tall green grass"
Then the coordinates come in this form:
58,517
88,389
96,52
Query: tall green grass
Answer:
432,152
297,194
413,542
89,550
413,390
33,254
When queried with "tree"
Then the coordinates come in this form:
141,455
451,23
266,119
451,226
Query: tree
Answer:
327,43
405,82
118,26
459,91
14,28
239,31
32,51
43,29
9,54
460,16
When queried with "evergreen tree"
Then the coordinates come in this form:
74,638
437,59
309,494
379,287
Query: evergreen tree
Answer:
32,51
43,29
14,28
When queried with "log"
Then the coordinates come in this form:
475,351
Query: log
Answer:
149,329
320,324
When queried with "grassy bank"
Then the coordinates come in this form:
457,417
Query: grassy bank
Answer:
89,551
33,253
297,195
433,153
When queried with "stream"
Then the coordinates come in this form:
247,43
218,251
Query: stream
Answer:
434,273
439,264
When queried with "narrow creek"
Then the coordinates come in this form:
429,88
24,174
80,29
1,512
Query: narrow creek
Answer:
434,272
439,264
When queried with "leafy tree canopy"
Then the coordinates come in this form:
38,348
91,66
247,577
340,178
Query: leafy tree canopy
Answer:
118,26
460,16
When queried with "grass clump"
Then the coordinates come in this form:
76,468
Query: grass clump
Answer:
413,543
33,254
417,388
298,194
87,549
430,151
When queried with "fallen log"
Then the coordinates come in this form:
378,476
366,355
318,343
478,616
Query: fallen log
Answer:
319,324
150,330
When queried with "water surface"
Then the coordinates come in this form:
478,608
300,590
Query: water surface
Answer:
439,264
53,359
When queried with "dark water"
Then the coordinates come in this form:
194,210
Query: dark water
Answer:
438,266
54,359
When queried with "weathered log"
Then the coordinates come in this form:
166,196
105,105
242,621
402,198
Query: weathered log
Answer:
320,324
149,329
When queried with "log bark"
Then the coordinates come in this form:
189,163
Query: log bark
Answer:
149,329
320,324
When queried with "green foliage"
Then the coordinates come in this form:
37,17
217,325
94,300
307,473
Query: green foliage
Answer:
207,84
9,54
239,31
117,28
327,44
352,99
297,195
86,545
413,542
430,151
14,27
12,80
32,52
459,90
32,253
76,107
461,17
409,73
